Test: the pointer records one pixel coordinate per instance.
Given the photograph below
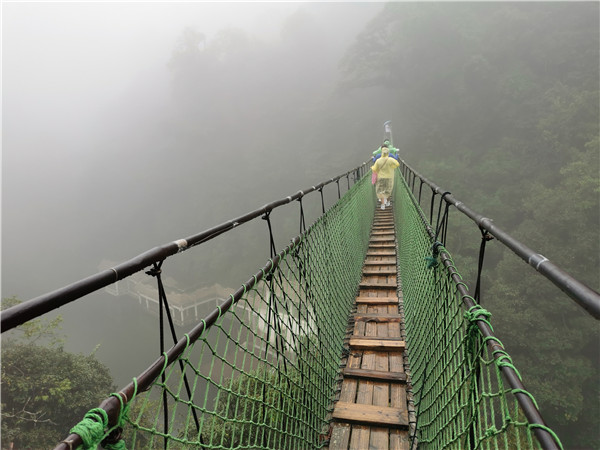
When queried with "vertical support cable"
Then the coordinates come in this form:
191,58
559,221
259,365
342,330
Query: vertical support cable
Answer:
441,229
302,222
433,194
267,217
322,199
272,312
155,272
485,236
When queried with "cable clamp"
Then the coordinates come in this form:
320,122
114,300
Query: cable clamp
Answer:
537,260
181,244
154,272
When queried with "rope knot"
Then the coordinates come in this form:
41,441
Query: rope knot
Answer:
432,261
92,428
474,313
472,338
492,431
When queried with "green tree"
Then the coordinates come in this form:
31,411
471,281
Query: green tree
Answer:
45,389
531,313
499,104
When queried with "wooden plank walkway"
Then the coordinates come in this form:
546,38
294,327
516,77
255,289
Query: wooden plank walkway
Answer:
372,409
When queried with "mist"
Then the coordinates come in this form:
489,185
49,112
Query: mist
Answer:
110,148
97,140
130,125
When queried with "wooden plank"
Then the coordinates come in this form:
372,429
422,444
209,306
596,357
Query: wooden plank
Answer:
377,279
399,439
375,375
381,253
383,262
371,415
373,285
380,272
378,300
361,435
340,436
379,318
376,338
381,390
377,343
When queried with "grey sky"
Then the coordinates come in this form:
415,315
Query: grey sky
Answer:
74,75
64,66
75,58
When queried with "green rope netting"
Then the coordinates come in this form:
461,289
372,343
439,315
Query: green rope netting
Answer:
461,399
264,375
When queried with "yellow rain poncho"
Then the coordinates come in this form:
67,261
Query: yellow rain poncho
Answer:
384,168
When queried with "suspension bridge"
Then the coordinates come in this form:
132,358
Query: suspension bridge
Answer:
361,333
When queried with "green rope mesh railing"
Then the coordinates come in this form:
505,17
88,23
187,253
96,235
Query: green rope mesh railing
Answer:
262,370
264,374
462,399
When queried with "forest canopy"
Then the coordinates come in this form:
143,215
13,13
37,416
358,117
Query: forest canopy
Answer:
499,103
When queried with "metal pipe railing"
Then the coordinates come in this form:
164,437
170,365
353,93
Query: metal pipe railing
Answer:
583,295
527,405
113,405
23,312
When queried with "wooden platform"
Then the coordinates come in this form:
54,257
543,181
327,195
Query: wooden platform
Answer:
371,411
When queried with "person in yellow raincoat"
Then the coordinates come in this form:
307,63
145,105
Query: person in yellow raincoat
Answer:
384,168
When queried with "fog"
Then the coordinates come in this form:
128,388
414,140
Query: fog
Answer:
129,125
109,151
86,87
